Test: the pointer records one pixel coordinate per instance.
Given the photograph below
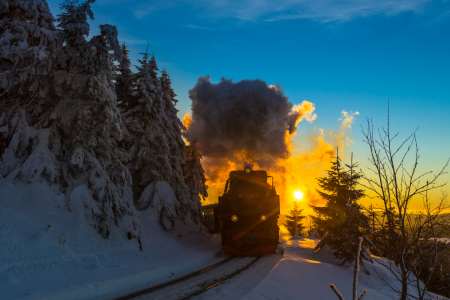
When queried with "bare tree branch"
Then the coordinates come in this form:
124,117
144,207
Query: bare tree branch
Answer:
412,238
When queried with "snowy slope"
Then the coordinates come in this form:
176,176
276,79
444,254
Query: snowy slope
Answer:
307,275
48,252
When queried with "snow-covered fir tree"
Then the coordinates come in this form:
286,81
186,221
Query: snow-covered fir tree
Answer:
294,221
142,117
177,148
91,124
28,43
60,123
125,84
166,84
148,145
194,175
67,133
340,222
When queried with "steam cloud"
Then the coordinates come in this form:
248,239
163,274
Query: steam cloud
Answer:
243,121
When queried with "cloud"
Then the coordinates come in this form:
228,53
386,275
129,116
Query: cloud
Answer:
341,11
132,41
141,9
268,10
197,27
347,119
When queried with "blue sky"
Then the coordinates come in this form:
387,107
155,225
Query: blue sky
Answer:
341,55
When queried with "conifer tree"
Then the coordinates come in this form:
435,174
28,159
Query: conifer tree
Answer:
28,43
125,81
148,144
173,127
74,21
383,246
166,84
294,221
90,124
194,175
67,134
371,213
340,222
154,144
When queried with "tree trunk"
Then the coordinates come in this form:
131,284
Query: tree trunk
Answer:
404,284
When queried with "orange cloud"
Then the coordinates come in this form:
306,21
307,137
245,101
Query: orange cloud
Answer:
348,119
306,110
187,120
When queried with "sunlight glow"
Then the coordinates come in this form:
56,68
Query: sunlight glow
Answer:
298,195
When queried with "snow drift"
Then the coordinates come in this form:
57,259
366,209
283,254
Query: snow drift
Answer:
49,252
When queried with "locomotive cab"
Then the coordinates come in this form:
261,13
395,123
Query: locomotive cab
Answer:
248,211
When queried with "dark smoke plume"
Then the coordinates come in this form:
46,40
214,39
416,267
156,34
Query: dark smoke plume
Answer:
243,121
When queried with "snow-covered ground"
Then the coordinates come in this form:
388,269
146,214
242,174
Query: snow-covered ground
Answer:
307,275
48,252
240,285
444,240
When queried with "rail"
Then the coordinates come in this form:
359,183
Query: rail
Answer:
166,284
211,285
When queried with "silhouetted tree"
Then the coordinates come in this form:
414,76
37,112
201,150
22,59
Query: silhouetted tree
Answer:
340,222
194,175
295,220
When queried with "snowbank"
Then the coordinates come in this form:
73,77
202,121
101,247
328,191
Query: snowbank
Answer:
47,251
307,275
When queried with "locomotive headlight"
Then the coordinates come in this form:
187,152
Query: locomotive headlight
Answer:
234,218
263,218
248,170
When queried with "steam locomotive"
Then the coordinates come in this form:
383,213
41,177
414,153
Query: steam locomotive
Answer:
247,214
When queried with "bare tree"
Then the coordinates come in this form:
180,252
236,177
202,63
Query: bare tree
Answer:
355,278
429,249
395,180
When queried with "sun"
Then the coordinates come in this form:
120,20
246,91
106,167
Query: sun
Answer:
298,195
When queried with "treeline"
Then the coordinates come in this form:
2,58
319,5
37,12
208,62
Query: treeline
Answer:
74,115
412,241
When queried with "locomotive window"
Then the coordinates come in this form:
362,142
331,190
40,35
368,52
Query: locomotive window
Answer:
240,181
248,185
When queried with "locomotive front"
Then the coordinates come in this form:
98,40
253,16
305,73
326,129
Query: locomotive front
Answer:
249,211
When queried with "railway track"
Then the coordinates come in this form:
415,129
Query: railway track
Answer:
194,284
